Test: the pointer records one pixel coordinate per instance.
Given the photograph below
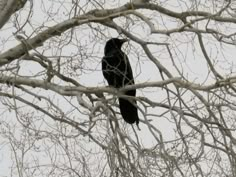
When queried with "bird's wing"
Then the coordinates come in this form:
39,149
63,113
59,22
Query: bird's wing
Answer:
109,71
129,79
105,69
117,69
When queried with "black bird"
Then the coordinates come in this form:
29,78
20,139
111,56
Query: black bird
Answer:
118,73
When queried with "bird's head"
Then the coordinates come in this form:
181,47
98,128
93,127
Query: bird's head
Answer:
114,44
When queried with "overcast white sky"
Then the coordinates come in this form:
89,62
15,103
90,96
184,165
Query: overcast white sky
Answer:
185,48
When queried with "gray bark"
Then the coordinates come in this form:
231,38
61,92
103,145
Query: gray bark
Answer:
9,7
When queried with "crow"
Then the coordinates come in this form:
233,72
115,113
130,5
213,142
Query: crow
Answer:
118,73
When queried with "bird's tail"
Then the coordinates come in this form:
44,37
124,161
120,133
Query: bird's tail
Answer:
128,111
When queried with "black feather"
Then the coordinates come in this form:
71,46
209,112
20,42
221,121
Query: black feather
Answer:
118,73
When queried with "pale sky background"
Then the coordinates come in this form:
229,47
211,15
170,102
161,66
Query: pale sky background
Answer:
185,53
